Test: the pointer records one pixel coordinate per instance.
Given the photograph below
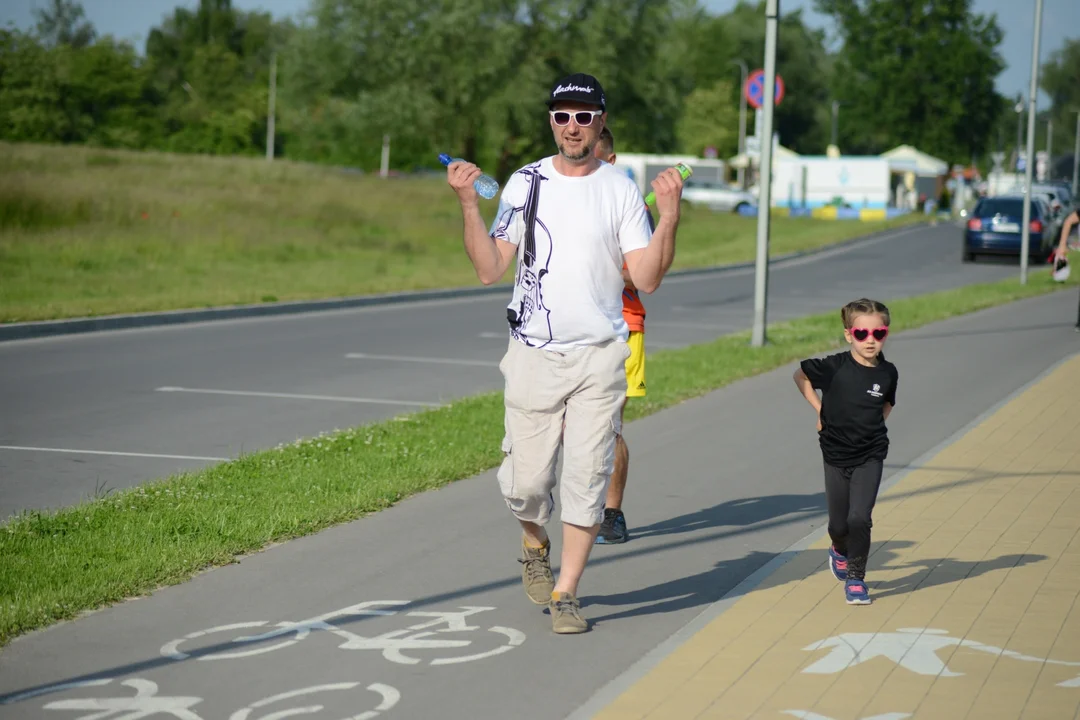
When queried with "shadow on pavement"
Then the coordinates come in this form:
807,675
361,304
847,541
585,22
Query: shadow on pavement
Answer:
934,572
740,512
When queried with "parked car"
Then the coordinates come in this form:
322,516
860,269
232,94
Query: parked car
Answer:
995,224
716,195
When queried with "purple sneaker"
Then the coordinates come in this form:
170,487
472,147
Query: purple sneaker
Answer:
838,564
856,593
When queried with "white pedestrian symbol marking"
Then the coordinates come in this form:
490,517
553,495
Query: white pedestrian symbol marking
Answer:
399,646
146,702
807,715
913,649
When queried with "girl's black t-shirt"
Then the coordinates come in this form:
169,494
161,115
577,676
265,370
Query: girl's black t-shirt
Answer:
853,398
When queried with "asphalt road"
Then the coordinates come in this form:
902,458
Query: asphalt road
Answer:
84,414
718,486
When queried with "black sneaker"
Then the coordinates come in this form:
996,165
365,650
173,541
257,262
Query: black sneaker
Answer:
613,529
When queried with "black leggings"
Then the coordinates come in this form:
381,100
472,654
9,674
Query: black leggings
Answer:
851,494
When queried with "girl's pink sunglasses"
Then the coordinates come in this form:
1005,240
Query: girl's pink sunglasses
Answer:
861,334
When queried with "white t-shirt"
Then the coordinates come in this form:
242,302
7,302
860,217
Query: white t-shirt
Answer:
569,283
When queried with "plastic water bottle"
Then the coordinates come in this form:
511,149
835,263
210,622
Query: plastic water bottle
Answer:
486,186
685,170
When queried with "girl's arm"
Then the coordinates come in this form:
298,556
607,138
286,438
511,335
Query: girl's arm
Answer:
807,389
808,392
888,409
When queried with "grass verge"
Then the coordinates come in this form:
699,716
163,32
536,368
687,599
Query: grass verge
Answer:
87,232
128,543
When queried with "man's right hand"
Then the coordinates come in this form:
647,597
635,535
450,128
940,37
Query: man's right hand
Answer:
461,176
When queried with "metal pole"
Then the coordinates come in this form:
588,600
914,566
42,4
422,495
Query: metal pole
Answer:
1025,241
270,108
835,124
1019,127
1050,149
1076,159
761,267
742,116
384,170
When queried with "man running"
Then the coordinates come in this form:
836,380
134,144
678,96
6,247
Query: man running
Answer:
571,222
613,529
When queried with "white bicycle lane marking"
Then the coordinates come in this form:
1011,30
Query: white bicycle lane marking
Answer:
393,644
147,702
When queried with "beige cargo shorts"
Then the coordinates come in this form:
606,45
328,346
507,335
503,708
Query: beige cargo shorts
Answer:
585,387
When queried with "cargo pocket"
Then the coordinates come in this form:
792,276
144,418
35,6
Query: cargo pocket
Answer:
505,473
605,452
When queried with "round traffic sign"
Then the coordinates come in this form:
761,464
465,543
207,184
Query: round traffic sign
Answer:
754,90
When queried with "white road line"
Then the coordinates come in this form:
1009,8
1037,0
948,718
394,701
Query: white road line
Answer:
495,336
680,324
410,358
73,451
295,396
814,256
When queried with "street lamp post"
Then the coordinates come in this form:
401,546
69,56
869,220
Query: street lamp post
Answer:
1025,241
761,263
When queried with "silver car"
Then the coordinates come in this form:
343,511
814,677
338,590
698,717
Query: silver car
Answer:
716,195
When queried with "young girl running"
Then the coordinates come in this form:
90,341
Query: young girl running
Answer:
858,391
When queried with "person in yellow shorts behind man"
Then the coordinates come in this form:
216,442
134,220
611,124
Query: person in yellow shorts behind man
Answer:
613,528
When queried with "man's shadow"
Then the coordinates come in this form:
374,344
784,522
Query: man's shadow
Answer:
740,512
682,593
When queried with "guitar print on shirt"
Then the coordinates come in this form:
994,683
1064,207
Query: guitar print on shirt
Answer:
533,263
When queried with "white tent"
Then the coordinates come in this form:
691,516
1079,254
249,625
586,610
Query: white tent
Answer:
746,159
905,156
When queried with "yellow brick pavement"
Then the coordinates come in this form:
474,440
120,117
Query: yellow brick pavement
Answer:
975,575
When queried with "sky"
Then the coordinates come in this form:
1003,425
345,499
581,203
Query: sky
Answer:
132,20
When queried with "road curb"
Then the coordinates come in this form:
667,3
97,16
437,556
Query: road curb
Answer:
73,326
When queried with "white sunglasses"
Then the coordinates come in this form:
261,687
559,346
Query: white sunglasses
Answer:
583,118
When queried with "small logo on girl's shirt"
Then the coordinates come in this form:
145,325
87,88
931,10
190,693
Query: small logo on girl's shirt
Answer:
875,391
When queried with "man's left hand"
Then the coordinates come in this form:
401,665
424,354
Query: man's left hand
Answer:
668,188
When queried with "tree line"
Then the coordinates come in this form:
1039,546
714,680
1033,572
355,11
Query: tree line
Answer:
469,77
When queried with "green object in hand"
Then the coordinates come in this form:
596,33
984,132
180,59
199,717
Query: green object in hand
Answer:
685,170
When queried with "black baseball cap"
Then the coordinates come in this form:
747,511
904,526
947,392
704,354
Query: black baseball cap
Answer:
578,87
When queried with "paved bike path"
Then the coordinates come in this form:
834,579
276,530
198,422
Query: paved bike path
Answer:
718,487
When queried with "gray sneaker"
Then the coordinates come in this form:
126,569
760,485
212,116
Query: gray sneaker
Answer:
536,573
566,614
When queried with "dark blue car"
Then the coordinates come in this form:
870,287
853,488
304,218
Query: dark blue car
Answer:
994,228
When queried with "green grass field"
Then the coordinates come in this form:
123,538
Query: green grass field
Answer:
88,232
57,565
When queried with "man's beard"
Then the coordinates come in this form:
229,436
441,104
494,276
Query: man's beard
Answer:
586,151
